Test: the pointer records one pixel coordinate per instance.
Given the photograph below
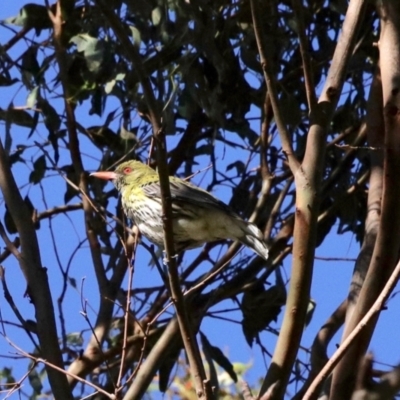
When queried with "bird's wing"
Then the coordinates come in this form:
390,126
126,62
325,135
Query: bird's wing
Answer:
184,192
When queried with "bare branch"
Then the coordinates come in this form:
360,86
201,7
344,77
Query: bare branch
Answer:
378,305
7,295
305,55
308,186
197,369
36,277
387,243
266,64
61,371
153,361
319,356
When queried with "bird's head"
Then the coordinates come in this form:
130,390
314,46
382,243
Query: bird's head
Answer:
128,173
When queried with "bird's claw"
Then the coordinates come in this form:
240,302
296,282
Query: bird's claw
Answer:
165,259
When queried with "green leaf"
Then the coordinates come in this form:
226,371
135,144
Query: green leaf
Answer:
109,86
17,117
71,192
39,170
136,36
218,356
72,282
290,109
35,381
92,49
239,165
186,104
29,205
255,299
7,81
156,16
30,67
340,6
9,222
242,128
6,375
35,121
97,101
127,135
15,156
75,339
213,375
203,149
310,311
168,362
51,118
31,16
32,97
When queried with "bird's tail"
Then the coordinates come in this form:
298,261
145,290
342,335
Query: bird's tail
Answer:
253,238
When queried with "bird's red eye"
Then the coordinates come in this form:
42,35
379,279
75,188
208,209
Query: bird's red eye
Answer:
127,170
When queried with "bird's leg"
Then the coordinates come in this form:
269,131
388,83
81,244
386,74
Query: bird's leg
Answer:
130,247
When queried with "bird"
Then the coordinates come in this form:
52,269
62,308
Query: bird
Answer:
198,217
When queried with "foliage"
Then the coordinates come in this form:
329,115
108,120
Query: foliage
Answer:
74,102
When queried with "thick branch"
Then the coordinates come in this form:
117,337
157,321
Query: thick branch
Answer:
387,245
107,294
319,347
36,278
153,361
375,135
308,186
196,366
368,320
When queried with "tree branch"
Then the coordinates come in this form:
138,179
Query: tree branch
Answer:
313,391
36,278
387,246
203,388
107,291
319,347
305,55
266,64
308,180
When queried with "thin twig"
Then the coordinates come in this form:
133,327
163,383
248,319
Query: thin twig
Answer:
9,244
18,385
379,304
308,180
320,344
269,78
305,55
196,365
335,258
127,314
52,366
94,335
10,301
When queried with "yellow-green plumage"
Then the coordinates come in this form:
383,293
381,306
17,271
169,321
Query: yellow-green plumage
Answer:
198,217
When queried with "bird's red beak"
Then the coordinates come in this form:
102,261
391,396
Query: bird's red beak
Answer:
106,175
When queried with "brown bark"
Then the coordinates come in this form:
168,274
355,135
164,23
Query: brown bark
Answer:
387,245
